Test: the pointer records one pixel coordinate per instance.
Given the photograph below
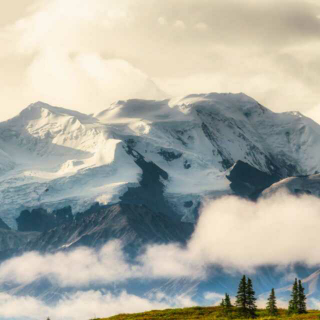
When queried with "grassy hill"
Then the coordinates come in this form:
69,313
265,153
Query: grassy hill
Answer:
206,313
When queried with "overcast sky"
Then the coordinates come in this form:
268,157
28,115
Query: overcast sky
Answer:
83,55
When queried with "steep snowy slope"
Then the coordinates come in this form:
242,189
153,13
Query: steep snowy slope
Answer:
59,157
296,186
184,148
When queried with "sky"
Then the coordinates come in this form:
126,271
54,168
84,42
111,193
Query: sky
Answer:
84,55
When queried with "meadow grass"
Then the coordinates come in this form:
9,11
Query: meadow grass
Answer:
209,313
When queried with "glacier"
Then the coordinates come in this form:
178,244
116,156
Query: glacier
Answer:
52,157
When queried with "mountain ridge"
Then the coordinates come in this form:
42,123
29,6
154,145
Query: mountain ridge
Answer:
48,154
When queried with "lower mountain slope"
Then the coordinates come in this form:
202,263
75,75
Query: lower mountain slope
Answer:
134,225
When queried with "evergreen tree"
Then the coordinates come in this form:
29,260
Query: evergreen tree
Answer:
241,301
251,300
293,303
302,305
272,304
226,305
227,302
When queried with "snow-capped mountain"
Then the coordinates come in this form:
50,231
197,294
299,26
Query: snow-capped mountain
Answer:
179,150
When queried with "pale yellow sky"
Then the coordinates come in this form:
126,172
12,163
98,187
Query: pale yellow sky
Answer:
85,54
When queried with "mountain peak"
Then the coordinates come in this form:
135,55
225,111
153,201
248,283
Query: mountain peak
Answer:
40,110
34,111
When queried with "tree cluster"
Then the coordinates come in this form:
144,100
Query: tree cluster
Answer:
246,300
297,304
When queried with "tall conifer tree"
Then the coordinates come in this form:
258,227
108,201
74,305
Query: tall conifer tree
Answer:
302,305
251,300
293,303
241,301
272,304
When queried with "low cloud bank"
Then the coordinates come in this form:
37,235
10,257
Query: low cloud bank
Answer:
281,230
79,268
232,233
240,235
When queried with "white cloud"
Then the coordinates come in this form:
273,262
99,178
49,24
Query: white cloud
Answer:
179,24
73,63
213,298
88,267
201,26
283,304
163,21
171,261
106,80
241,235
82,305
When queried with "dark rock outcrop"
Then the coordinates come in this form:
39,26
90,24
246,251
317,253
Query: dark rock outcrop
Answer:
63,216
36,220
40,220
248,181
150,191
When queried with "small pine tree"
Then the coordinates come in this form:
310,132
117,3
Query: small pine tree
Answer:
302,305
251,300
272,304
226,306
241,301
227,302
293,303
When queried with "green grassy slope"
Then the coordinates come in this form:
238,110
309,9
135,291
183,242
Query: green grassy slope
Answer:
206,313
